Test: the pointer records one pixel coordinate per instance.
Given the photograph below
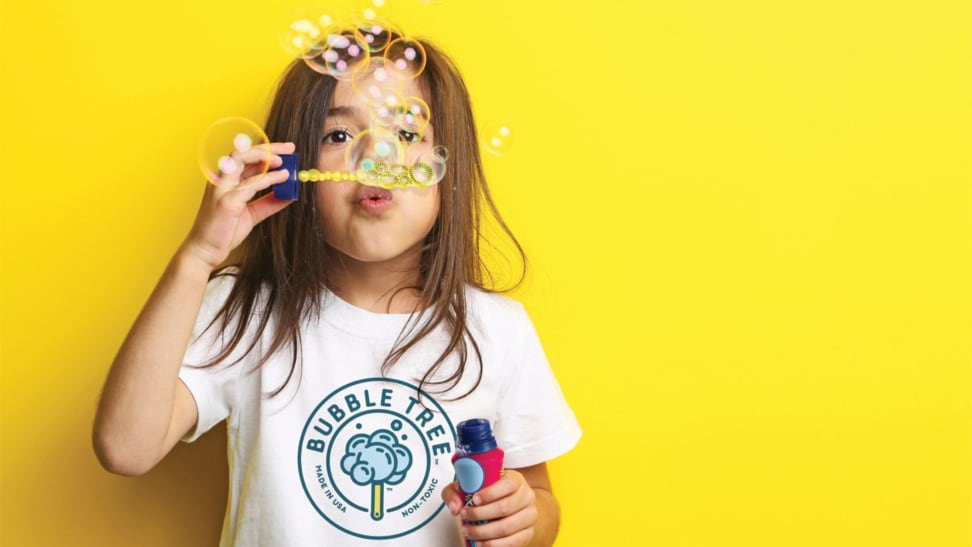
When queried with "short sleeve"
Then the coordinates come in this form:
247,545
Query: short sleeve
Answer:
213,387
534,423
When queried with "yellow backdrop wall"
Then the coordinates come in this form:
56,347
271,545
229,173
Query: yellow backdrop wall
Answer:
749,225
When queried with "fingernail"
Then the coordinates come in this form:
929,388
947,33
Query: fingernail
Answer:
462,514
477,500
453,507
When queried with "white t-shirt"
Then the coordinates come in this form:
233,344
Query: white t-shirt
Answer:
343,456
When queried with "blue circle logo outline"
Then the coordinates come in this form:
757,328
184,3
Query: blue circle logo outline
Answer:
303,433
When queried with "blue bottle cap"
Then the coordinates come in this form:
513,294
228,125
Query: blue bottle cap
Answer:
475,436
290,188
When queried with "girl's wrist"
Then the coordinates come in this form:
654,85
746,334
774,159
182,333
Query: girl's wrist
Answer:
190,263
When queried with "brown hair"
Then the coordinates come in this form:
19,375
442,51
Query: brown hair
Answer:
278,277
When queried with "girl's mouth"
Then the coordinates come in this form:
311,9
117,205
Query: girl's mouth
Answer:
374,200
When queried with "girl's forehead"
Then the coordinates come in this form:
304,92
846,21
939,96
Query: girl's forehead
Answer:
366,89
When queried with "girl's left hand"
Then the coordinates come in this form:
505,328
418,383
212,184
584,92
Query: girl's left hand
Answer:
509,505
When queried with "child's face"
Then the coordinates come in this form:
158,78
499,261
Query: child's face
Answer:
367,223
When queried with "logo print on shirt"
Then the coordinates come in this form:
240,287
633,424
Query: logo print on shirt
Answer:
373,456
376,460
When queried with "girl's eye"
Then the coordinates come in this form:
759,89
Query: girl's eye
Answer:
336,136
409,137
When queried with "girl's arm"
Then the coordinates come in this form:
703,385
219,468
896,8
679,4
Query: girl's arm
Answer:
520,507
144,408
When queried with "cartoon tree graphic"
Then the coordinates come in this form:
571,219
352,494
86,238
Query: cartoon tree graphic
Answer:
376,460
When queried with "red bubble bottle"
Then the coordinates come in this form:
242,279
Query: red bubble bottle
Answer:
478,461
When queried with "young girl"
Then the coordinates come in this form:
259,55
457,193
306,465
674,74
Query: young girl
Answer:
352,332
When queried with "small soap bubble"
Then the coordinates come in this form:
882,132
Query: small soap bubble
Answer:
498,137
376,33
226,137
342,55
413,115
302,32
430,168
405,58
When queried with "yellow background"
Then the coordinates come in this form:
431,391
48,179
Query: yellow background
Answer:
749,224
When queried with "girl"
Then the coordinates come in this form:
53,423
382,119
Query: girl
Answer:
353,330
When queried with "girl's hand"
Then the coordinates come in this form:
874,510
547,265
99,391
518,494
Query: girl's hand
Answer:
510,506
227,215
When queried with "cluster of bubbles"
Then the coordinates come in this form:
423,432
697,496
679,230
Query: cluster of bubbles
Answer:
377,59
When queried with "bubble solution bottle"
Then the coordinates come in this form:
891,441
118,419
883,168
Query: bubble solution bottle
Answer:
478,461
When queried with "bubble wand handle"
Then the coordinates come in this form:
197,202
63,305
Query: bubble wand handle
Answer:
478,461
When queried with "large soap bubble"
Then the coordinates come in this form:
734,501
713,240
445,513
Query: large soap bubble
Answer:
413,115
497,137
225,137
302,32
341,55
371,152
405,58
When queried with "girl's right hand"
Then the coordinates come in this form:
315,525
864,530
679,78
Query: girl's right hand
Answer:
227,215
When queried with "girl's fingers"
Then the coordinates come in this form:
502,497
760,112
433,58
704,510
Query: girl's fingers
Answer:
252,185
265,206
257,159
451,497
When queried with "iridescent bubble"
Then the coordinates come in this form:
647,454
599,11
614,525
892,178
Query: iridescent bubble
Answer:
405,58
381,91
384,109
224,138
413,115
440,154
372,154
498,137
430,168
301,32
342,55
376,32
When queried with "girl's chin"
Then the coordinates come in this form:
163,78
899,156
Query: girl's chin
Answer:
372,254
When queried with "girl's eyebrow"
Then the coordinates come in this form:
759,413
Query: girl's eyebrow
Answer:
348,111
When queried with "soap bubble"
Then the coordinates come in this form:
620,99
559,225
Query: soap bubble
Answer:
376,32
405,58
302,32
384,112
381,91
430,169
497,137
341,55
412,114
372,153
226,136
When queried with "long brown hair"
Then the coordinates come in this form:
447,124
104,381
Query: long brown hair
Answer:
281,271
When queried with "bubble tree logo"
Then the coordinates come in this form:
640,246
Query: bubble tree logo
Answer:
373,457
377,459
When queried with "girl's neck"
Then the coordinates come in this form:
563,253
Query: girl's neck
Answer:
391,286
